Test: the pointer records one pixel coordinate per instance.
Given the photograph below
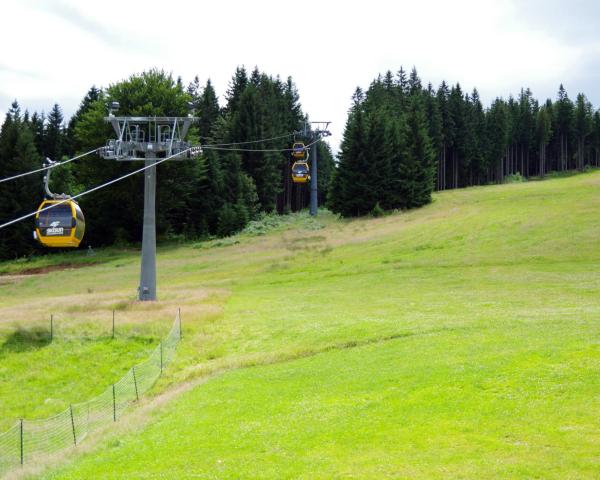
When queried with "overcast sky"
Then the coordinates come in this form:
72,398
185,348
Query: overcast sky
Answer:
53,51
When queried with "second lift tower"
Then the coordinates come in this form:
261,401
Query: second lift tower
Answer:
148,140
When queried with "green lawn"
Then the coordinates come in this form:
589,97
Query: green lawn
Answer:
465,403
476,323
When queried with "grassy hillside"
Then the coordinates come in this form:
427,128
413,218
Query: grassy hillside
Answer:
461,339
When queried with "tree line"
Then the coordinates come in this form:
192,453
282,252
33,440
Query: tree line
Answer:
214,195
403,140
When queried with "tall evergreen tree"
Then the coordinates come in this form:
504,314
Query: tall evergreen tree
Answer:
414,83
23,195
350,180
542,135
54,137
476,140
497,139
596,138
208,109
447,133
418,169
564,126
91,97
457,111
583,123
237,85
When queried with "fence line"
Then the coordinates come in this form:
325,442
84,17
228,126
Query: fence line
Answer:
53,328
29,439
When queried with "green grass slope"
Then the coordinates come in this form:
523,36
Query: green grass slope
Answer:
476,323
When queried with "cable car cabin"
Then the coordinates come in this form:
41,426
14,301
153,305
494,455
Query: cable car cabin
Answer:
298,150
59,226
300,172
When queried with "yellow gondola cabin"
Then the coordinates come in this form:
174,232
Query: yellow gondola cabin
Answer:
60,226
300,172
298,151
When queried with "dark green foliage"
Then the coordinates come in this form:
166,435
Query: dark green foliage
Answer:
583,125
207,105
91,97
326,169
419,132
377,211
217,194
115,213
595,139
54,136
18,154
350,183
387,160
401,141
418,169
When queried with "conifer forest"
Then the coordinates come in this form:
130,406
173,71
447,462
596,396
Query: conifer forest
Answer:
402,140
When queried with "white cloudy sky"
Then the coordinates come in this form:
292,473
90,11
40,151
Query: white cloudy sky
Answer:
54,50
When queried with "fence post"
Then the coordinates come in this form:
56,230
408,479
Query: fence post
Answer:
73,424
161,358
51,327
22,444
114,404
179,316
137,397
113,332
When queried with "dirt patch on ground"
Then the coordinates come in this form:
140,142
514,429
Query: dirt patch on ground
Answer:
51,268
7,279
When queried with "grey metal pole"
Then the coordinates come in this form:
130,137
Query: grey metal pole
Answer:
22,443
148,274
313,181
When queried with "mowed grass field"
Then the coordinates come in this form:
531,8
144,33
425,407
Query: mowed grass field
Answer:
460,340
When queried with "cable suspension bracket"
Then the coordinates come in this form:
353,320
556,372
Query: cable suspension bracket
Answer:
49,164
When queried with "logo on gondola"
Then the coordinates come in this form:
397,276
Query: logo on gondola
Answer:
55,229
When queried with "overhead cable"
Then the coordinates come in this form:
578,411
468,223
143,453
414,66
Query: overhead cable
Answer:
48,167
98,187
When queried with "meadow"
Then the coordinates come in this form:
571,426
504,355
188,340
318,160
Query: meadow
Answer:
458,340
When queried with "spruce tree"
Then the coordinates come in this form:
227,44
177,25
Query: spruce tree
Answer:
414,83
447,133
583,123
72,147
419,165
237,85
475,140
497,138
563,111
54,137
23,195
596,139
208,109
350,181
457,112
542,134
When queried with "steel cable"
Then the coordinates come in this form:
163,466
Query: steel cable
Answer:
48,167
